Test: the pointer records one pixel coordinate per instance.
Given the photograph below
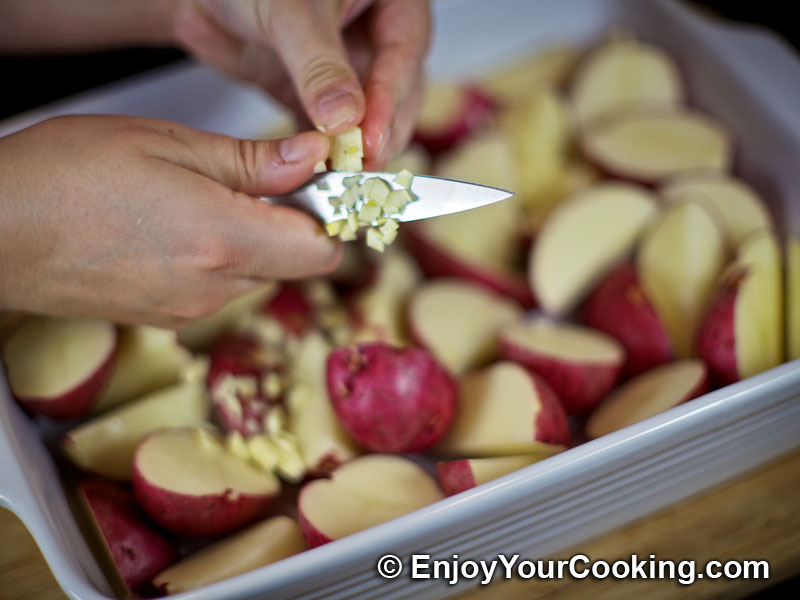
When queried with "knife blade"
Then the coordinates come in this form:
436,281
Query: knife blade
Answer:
435,196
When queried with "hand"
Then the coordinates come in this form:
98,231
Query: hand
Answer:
145,221
312,55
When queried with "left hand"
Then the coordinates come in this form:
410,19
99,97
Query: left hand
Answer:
314,55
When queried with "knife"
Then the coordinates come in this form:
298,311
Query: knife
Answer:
436,196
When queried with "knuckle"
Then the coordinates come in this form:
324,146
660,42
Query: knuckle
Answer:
247,158
214,255
323,71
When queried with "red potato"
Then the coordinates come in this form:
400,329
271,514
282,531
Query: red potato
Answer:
620,308
188,484
649,394
239,371
363,493
147,359
458,322
59,367
678,262
106,444
391,400
648,146
481,245
624,72
580,364
256,546
456,476
583,239
742,334
137,548
438,260
450,113
323,442
291,308
505,410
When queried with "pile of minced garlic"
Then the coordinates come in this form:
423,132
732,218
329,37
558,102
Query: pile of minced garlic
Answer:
367,201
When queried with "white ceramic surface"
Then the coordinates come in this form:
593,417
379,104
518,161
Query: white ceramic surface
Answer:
747,78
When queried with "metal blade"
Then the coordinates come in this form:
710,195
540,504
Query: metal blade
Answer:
439,196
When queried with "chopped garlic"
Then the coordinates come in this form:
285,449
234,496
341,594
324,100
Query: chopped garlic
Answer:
319,167
272,385
350,182
348,233
335,227
237,446
196,370
368,213
404,178
347,150
389,226
263,452
276,421
375,240
388,237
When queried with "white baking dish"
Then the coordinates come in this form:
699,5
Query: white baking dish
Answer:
746,78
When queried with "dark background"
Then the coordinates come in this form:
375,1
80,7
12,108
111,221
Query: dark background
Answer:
31,81
36,80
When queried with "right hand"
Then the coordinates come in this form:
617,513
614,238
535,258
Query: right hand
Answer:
145,221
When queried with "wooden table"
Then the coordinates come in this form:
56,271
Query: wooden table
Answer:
756,517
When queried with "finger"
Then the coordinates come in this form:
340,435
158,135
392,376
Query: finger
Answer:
255,167
400,35
218,234
203,37
307,37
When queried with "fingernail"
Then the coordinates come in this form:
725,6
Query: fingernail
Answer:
299,148
335,108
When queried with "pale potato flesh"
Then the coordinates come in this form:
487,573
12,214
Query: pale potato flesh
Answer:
371,490
258,545
793,298
678,264
650,146
624,72
106,444
583,239
485,235
47,356
458,322
649,394
496,414
758,317
148,358
487,469
311,417
176,460
732,201
442,103
563,340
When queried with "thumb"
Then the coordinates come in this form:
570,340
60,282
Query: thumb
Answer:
257,167
306,35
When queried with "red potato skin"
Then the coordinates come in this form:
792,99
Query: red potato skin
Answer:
77,402
551,426
139,550
290,307
455,476
478,111
579,386
619,307
716,338
189,515
238,354
313,536
437,261
391,400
